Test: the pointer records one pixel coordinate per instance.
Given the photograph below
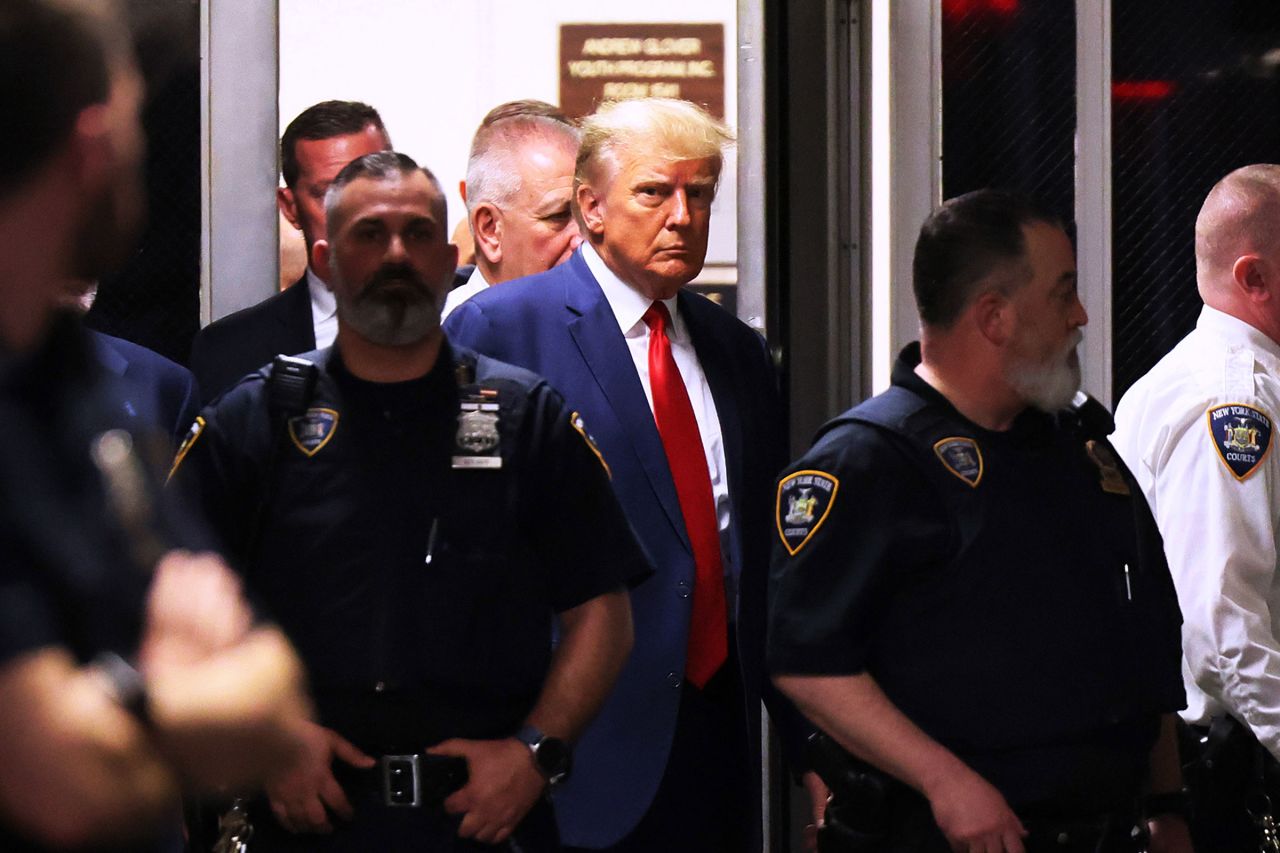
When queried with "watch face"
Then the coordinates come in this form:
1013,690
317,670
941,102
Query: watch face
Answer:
552,755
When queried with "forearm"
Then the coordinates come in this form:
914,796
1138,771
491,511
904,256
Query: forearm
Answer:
854,710
595,639
230,720
1166,769
74,765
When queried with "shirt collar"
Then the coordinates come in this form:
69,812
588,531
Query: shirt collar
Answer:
1233,328
323,303
476,279
627,303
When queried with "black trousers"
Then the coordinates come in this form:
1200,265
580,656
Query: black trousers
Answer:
401,830
709,794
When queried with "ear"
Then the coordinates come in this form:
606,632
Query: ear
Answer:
321,254
462,190
993,315
91,156
1254,277
288,206
486,229
592,208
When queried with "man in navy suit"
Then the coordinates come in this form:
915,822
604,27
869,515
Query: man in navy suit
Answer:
681,398
158,392
302,317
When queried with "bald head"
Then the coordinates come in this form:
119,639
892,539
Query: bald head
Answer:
1240,218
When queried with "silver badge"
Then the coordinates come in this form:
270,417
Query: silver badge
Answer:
477,432
478,437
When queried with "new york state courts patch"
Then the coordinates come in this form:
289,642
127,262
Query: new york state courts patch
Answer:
1241,435
805,499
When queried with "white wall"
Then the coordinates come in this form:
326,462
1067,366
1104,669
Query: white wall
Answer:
433,68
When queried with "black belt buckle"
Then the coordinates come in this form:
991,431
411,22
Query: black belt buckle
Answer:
401,780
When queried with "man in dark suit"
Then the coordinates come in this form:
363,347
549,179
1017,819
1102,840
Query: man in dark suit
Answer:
159,393
314,148
681,398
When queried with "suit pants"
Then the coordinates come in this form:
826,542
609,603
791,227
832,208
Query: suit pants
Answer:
709,793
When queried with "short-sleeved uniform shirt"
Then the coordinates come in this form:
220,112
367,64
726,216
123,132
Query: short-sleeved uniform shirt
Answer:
1197,431
1006,590
70,575
417,540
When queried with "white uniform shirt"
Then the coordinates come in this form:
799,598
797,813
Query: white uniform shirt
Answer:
324,310
1220,529
629,306
460,294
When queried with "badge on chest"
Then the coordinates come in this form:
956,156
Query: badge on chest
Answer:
1112,481
478,441
962,457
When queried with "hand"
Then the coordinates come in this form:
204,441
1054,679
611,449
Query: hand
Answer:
302,798
974,816
504,784
1169,834
194,609
818,796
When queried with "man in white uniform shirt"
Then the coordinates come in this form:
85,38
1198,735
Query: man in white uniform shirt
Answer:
518,191
1196,431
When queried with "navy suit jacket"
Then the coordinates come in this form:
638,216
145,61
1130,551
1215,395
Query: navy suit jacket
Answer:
227,350
560,325
157,391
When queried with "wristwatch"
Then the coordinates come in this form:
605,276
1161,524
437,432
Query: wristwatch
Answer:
551,755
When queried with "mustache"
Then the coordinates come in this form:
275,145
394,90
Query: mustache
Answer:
395,274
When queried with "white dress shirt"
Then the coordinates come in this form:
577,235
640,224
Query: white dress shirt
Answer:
629,306
1220,532
324,310
460,294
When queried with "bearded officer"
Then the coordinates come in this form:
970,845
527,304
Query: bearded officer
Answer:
418,521
968,592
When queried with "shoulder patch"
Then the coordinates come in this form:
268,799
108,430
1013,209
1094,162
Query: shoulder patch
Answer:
805,499
575,421
1242,436
313,429
962,457
188,441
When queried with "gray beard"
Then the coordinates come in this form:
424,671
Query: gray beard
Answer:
1048,387
391,321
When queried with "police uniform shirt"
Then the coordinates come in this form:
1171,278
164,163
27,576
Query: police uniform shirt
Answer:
70,576
993,584
418,584
1197,432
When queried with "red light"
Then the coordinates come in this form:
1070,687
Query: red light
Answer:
965,8
1142,90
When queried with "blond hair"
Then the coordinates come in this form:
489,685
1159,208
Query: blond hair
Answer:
667,128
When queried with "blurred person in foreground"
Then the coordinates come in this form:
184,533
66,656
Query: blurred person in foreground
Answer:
128,670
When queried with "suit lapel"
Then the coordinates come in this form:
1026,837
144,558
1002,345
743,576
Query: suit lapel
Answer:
594,329
718,367
300,329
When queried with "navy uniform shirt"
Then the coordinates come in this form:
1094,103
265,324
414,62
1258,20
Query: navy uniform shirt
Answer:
1007,590
418,582
72,575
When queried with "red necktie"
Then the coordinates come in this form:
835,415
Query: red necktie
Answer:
709,627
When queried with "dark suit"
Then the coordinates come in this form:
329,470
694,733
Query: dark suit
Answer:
158,392
559,324
226,350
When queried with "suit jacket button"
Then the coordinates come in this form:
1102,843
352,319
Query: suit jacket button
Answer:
673,679
683,587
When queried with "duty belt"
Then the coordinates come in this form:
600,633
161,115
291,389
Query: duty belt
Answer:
413,780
